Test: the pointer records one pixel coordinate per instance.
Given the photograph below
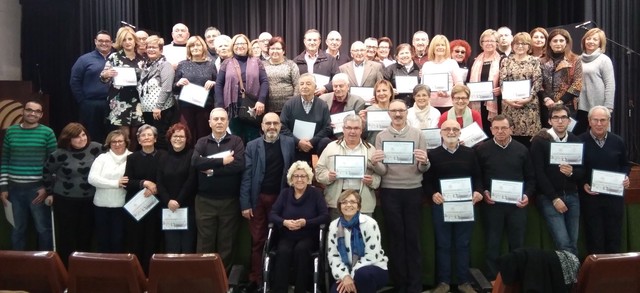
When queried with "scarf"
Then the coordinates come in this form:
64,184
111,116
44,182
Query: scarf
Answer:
467,118
494,75
231,89
422,115
357,243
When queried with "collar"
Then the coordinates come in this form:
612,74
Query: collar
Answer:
346,97
152,154
505,146
555,137
596,138
359,65
306,54
444,146
305,101
218,140
265,140
343,144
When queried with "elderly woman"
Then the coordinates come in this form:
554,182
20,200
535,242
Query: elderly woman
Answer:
525,112
384,51
246,71
354,249
460,110
201,71
256,51
486,67
404,67
383,94
440,62
107,176
124,100
422,115
298,212
282,74
66,175
460,52
538,46
155,85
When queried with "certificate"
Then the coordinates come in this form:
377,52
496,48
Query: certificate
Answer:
516,89
398,152
456,189
321,80
566,153
175,54
572,124
436,81
194,94
366,93
480,91
506,191
405,84
139,205
349,166
433,138
304,129
126,76
8,213
607,182
177,220
472,134
461,211
377,120
338,120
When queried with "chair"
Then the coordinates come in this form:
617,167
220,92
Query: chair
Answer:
187,273
32,271
105,272
618,272
499,287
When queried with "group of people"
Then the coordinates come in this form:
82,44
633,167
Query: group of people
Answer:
210,161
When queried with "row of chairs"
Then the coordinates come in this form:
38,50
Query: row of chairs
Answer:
43,272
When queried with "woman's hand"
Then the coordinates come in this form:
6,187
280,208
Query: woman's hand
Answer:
122,183
476,197
259,108
437,198
207,85
183,81
346,285
156,114
151,186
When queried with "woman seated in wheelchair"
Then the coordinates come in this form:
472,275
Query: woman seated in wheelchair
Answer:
355,252
298,212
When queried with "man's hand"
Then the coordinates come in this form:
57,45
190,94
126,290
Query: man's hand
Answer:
304,145
151,186
559,205
228,159
248,214
437,198
476,197
378,156
523,202
41,195
487,197
173,205
5,198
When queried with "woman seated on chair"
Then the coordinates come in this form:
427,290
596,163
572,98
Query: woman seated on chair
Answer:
298,213
355,252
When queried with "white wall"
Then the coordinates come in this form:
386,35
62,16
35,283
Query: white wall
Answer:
10,22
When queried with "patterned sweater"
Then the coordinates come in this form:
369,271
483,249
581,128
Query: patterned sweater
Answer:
66,172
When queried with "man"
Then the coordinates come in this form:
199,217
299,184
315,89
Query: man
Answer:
351,144
334,42
504,43
371,45
25,148
219,158
421,45
267,160
340,100
263,40
602,213
210,35
223,49
557,192
177,50
142,42
452,161
504,159
306,108
362,72
401,198
314,61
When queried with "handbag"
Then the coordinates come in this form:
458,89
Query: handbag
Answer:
247,102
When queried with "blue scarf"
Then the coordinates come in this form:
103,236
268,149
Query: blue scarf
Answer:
357,243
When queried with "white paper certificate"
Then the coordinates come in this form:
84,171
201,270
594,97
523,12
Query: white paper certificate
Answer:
8,213
481,91
177,220
572,124
566,153
377,120
607,182
139,205
456,189
436,81
366,93
194,94
338,120
433,138
398,152
175,54
303,129
321,80
349,166
472,134
219,155
126,76
405,84
516,89
506,191
458,211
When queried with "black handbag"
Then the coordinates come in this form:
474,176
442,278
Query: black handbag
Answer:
247,102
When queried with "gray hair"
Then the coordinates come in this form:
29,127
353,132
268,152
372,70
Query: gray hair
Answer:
308,75
421,87
603,108
352,117
341,76
220,39
299,165
145,127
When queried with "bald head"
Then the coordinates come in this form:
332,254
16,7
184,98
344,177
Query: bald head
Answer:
180,34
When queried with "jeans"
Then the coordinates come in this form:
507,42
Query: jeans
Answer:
461,233
21,196
563,227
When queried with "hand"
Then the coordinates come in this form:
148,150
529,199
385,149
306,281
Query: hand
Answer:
560,206
476,197
363,115
151,186
49,200
442,94
183,81
228,159
122,183
367,180
208,85
291,225
259,108
487,197
548,102
320,90
173,205
304,145
496,91
332,176
108,73
587,189
156,114
301,222
421,156
626,183
378,156
523,202
41,194
346,285
5,198
566,169
437,198
248,214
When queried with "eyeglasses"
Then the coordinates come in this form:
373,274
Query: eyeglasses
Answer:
382,47
450,129
349,202
398,111
460,51
32,111
298,176
559,118
599,121
271,123
489,41
460,98
240,44
178,137
520,44
349,128
117,142
104,41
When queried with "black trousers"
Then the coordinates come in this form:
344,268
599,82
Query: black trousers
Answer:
602,216
74,218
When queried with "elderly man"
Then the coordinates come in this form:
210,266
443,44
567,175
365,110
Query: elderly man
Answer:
177,50
504,159
314,61
219,160
371,45
340,100
401,196
421,45
334,42
505,39
264,39
351,144
210,35
361,71
452,161
267,160
602,213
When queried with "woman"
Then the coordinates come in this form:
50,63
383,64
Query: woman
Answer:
561,74
176,188
440,62
142,237
460,110
298,212
525,113
383,93
460,52
486,67
201,71
282,74
255,48
354,249
422,115
155,85
247,71
124,101
599,83
384,51
538,42
107,176
66,175
404,67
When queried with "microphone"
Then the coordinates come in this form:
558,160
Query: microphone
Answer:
583,24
